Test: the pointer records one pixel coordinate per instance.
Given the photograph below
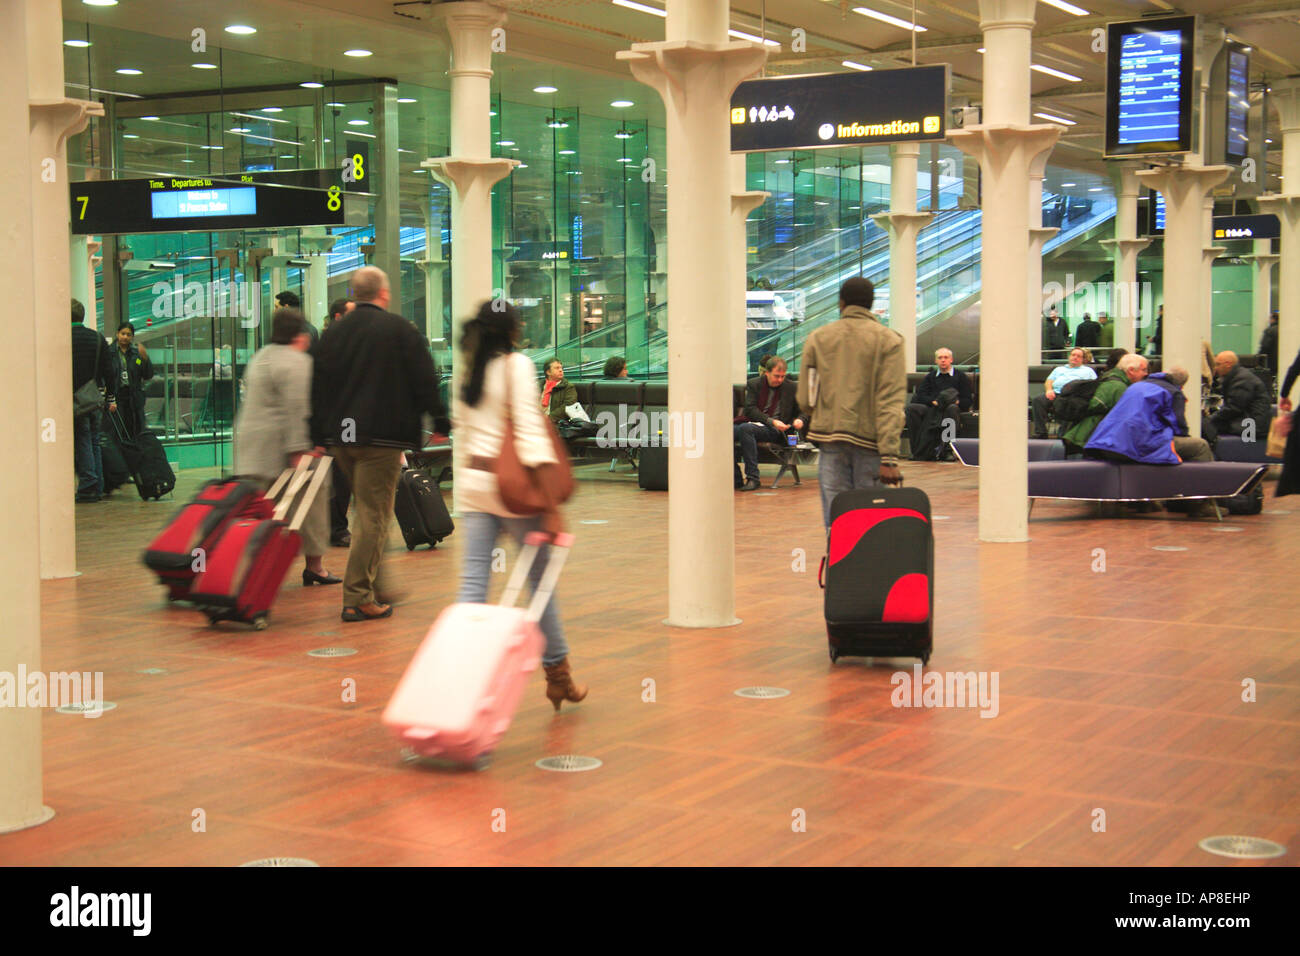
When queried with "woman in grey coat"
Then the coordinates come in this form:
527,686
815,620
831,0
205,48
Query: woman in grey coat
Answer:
272,429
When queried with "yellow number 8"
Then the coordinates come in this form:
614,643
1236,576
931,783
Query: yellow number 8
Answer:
334,203
358,172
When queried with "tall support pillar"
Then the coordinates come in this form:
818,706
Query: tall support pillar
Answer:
53,118
388,208
316,245
470,172
1007,148
1038,236
1262,261
1286,96
434,267
21,796
903,223
1124,249
743,202
1184,189
83,254
695,69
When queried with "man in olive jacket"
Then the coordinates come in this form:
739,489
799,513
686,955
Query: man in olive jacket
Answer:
853,383
1130,368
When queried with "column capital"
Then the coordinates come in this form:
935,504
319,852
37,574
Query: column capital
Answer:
999,14
997,144
748,201
1284,96
664,66
431,265
469,27
1124,177
64,117
1038,235
902,225
1210,253
1125,247
1263,260
1181,183
461,174
1285,207
905,151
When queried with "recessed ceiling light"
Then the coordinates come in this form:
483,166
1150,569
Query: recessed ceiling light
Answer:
312,85
640,7
357,53
129,71
522,166
623,134
286,156
506,142
783,162
79,44
545,89
1067,7
405,99
853,65
149,119
1057,73
240,30
239,129
567,152
417,170
204,66
742,35
622,104
1094,189
558,124
1056,119
130,136
187,160
272,109
492,112
1068,185
100,3
324,141
624,159
358,122
886,18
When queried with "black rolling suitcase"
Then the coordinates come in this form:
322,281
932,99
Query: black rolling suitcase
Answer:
145,459
421,513
879,574
652,468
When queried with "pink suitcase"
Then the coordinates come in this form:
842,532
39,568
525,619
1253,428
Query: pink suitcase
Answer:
461,690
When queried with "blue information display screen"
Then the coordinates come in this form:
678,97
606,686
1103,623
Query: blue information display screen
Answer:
1237,141
1149,86
188,203
1159,223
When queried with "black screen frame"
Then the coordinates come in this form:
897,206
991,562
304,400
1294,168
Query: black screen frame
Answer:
1115,33
1231,49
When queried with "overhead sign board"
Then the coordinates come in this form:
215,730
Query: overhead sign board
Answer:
171,204
1246,227
840,109
1149,86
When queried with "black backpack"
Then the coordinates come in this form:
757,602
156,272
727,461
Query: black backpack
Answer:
1071,403
1251,503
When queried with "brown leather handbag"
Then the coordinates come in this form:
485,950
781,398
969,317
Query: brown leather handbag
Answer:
520,488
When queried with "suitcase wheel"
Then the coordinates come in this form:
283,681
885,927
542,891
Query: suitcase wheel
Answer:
482,762
410,547
835,655
925,660
260,623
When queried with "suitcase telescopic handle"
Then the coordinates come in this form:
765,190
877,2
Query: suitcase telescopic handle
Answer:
556,557
821,583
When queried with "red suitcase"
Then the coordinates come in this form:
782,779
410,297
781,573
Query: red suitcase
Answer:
248,562
181,548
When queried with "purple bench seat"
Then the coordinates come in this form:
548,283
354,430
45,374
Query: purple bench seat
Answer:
1115,481
1232,448
967,450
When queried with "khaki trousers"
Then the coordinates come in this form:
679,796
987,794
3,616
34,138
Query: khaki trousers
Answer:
372,471
1192,449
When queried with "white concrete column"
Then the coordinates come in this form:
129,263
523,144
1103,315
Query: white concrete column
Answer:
695,71
1038,236
1208,255
1286,97
1261,289
470,172
434,267
53,119
903,223
1007,149
1184,189
1124,249
21,796
743,202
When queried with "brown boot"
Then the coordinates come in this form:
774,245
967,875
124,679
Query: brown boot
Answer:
560,685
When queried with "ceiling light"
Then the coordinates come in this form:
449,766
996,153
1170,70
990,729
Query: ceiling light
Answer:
357,132
100,3
129,71
624,134
545,89
854,66
239,129
1056,119
1067,7
624,159
622,104
567,152
417,170
286,156
1094,189
272,109
405,99
187,160
357,53
149,119
558,124
130,136
742,35
886,18
1058,73
1068,185
358,122
492,112
204,66
312,85
337,105
782,162
506,142
79,44
522,166
240,30
640,7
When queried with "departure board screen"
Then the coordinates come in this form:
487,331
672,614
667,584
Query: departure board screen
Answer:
1149,86
1237,141
240,201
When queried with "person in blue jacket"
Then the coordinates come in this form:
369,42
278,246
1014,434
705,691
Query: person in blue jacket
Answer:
1148,424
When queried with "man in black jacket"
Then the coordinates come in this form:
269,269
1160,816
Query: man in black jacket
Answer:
770,412
1056,334
1245,397
1088,334
132,368
373,380
943,395
92,360
1268,342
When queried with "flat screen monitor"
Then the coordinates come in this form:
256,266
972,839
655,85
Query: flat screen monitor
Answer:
188,203
1149,86
1236,142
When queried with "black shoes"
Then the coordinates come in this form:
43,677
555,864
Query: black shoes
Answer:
343,540
310,577
753,484
367,612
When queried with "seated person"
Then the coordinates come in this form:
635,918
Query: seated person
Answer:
1148,424
1076,371
1244,397
1129,369
769,413
558,393
1113,357
943,394
615,367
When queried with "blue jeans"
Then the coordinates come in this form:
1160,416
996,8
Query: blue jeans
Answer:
749,434
88,456
478,532
845,467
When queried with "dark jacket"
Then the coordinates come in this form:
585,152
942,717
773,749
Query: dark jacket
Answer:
1088,334
1113,384
563,395
1268,346
85,366
1291,374
373,380
1142,425
758,394
930,387
1244,396
1055,335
